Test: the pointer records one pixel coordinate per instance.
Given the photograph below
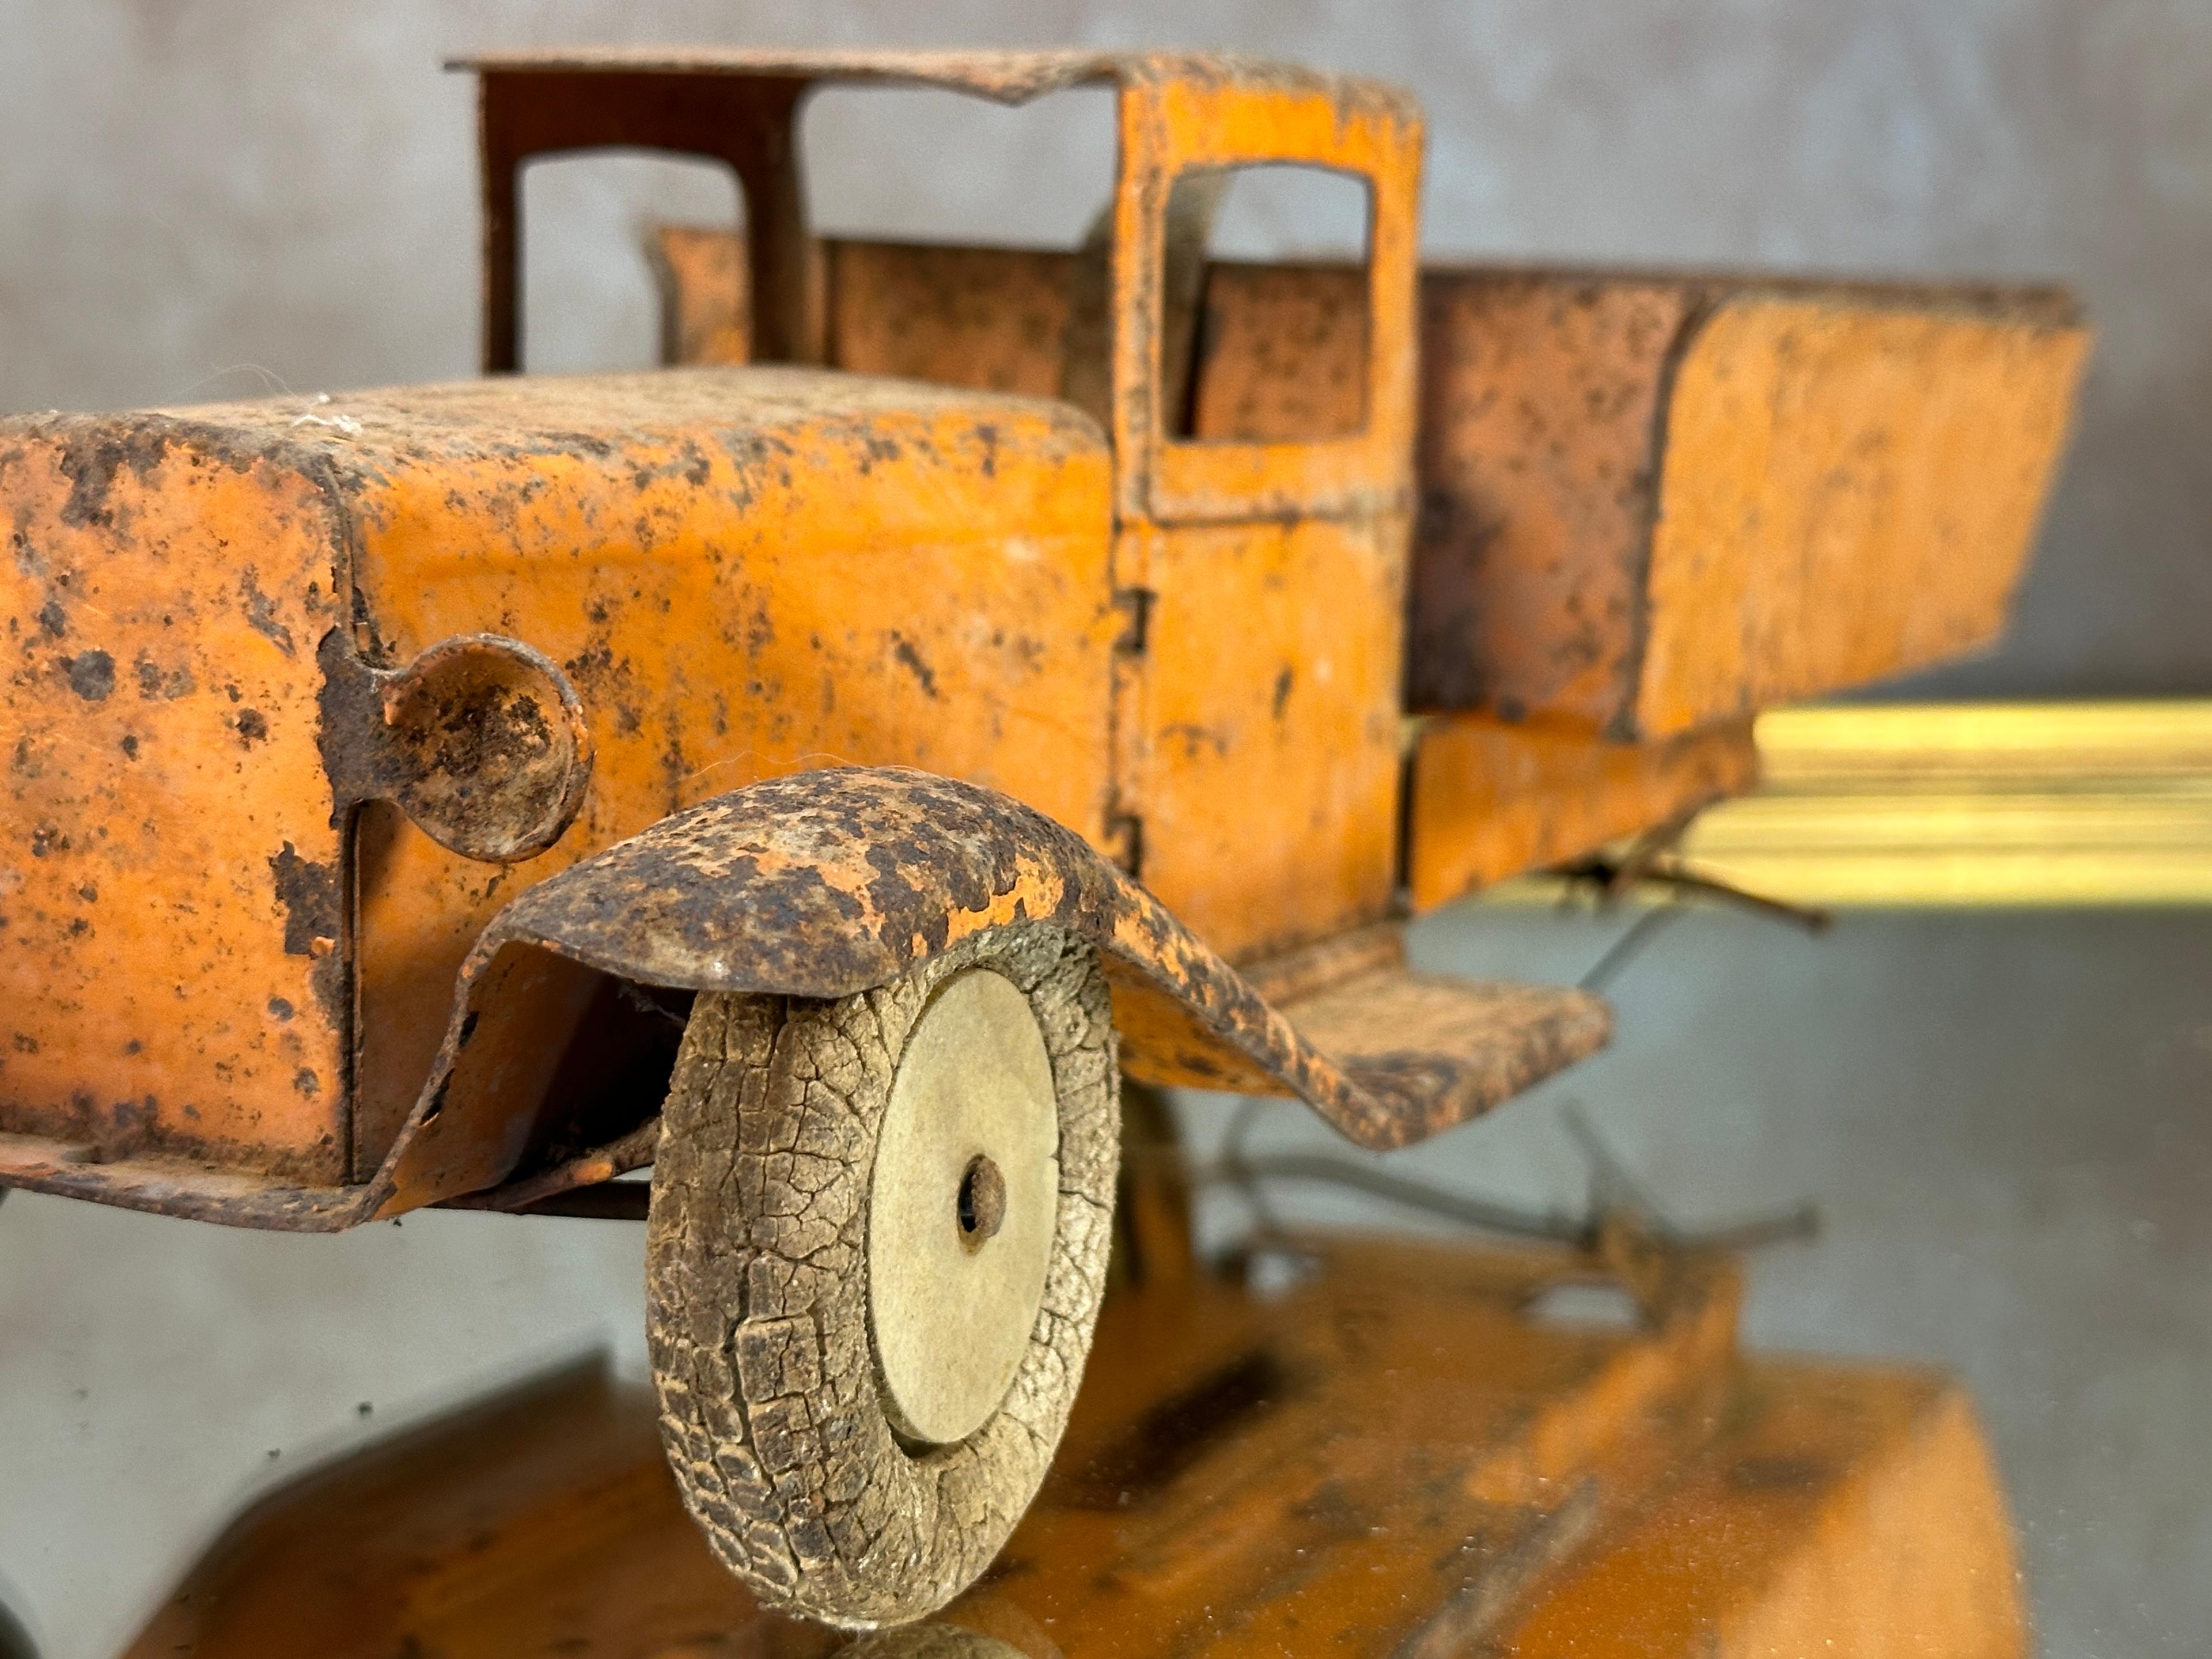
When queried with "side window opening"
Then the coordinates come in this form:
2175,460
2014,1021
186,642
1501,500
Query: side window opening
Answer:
590,304
1265,335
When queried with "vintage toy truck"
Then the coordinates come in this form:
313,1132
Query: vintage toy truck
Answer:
823,779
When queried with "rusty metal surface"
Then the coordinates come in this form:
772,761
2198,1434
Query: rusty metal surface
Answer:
1260,727
703,581
1297,703
171,969
1171,126
832,882
1300,535
480,741
1173,1044
743,572
740,108
1404,1454
960,316
1274,632
1585,549
176,1186
688,578
1010,77
1651,501
1825,516
1303,535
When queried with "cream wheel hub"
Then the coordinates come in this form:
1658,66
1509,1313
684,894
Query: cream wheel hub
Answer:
964,1201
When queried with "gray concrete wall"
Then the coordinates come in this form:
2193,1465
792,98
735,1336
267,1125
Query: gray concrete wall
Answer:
206,197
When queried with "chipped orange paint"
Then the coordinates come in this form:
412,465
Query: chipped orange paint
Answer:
834,881
1540,397
954,315
1296,701
1172,125
1845,493
1553,603
1654,503
1266,767
170,975
1267,692
1616,526
1308,533
745,574
767,570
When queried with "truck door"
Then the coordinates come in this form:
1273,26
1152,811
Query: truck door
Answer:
1262,520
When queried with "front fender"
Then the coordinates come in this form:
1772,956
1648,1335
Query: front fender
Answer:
833,882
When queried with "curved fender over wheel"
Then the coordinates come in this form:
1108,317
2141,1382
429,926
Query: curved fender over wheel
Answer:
827,884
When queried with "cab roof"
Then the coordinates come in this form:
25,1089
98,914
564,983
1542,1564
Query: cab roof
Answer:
1007,77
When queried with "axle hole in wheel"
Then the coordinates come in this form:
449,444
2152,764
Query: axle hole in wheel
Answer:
983,1202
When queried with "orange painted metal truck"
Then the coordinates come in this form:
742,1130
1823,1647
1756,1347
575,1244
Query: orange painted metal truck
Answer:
1019,671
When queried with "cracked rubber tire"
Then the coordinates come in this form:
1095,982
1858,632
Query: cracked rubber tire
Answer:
795,1450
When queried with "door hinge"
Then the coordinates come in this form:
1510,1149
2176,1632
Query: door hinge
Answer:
1135,604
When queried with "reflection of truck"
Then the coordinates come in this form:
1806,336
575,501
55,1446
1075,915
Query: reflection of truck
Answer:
408,792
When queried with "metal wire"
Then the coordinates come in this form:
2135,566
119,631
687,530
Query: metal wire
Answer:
1622,953
1614,1190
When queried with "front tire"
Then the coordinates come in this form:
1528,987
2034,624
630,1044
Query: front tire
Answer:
878,1240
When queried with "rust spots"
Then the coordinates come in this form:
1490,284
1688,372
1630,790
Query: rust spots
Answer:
253,727
51,619
911,659
91,458
279,1007
1191,740
155,681
468,736
91,675
307,893
480,741
261,613
1615,530
828,882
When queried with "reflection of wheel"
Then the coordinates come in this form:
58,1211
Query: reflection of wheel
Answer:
878,1235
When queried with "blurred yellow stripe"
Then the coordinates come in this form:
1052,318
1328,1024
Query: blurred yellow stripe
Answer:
2076,803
